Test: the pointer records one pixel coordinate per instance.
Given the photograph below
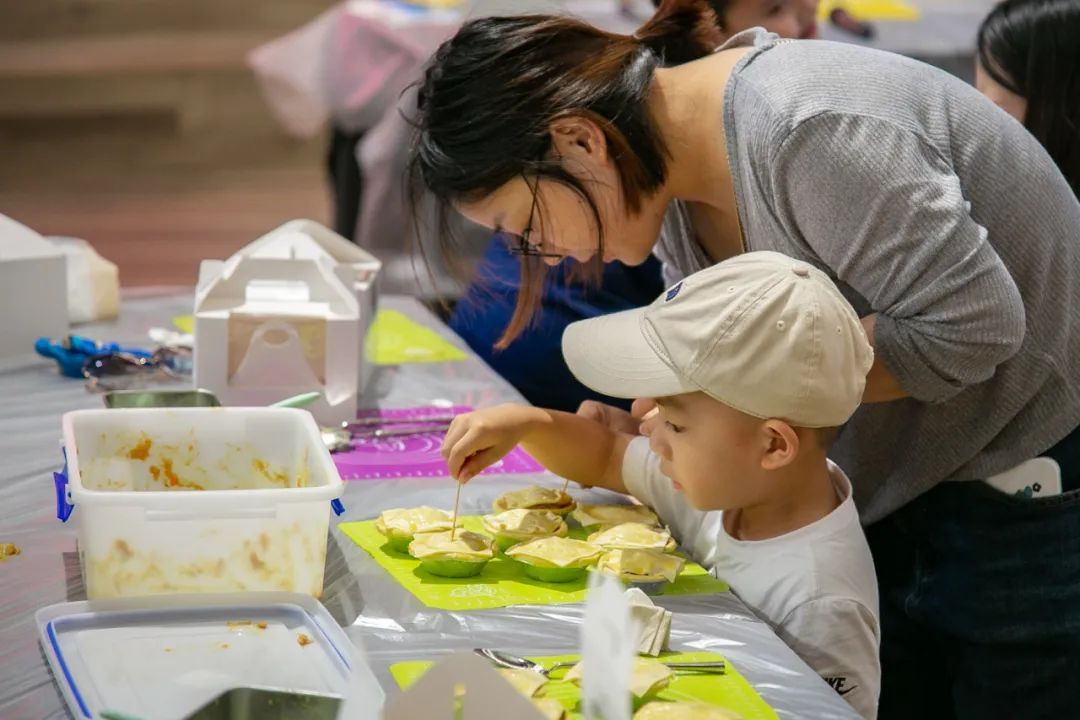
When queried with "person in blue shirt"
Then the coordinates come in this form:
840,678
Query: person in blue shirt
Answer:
533,363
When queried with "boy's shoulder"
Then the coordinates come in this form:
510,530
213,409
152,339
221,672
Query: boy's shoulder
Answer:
839,566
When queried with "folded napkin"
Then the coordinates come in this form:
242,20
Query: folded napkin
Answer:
654,621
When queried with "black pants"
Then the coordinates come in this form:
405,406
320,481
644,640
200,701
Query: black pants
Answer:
980,601
346,183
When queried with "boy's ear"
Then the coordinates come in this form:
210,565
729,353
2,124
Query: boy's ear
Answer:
780,443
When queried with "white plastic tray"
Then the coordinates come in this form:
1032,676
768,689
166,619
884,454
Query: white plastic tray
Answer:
163,657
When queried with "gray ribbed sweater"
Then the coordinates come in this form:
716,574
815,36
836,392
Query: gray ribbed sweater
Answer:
931,207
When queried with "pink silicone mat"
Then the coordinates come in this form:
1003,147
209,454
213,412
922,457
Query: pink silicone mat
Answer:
414,456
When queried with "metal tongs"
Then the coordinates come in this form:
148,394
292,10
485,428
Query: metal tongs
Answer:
379,427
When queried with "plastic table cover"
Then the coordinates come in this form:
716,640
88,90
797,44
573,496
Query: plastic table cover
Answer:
389,622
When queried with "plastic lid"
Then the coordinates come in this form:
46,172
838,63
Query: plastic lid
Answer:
166,656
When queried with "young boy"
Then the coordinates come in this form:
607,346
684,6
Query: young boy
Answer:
753,364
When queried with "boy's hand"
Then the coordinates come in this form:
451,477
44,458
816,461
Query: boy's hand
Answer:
617,419
478,439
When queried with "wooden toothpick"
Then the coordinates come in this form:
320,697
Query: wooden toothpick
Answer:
453,523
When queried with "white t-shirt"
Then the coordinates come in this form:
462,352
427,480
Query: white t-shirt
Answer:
814,586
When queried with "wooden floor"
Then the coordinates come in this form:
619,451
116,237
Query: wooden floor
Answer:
159,154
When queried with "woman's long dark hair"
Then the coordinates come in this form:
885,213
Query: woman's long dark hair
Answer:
719,8
490,93
1032,48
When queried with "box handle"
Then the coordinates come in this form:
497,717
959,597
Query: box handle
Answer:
337,506
237,514
64,506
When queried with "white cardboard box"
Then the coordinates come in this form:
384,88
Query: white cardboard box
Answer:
308,239
275,325
33,290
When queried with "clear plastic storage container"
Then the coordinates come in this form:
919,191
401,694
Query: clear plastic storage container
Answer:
182,500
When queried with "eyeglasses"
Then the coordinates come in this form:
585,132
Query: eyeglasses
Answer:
120,370
524,248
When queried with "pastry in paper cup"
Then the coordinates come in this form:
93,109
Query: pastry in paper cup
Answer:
550,708
650,570
464,557
535,497
658,710
401,524
633,536
555,559
526,682
647,678
598,517
511,527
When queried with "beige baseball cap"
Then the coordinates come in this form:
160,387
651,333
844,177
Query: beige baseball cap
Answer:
762,333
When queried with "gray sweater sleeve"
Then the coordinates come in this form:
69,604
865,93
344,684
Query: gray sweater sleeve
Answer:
881,208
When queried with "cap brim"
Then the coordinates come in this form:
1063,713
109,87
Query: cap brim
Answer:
610,355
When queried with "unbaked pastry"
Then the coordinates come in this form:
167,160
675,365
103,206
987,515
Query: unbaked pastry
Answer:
633,536
467,546
556,552
608,515
685,711
535,497
522,524
641,566
406,522
648,676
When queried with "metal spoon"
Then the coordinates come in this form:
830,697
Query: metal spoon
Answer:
507,660
336,440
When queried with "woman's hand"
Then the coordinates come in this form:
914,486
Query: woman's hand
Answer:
617,419
478,439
